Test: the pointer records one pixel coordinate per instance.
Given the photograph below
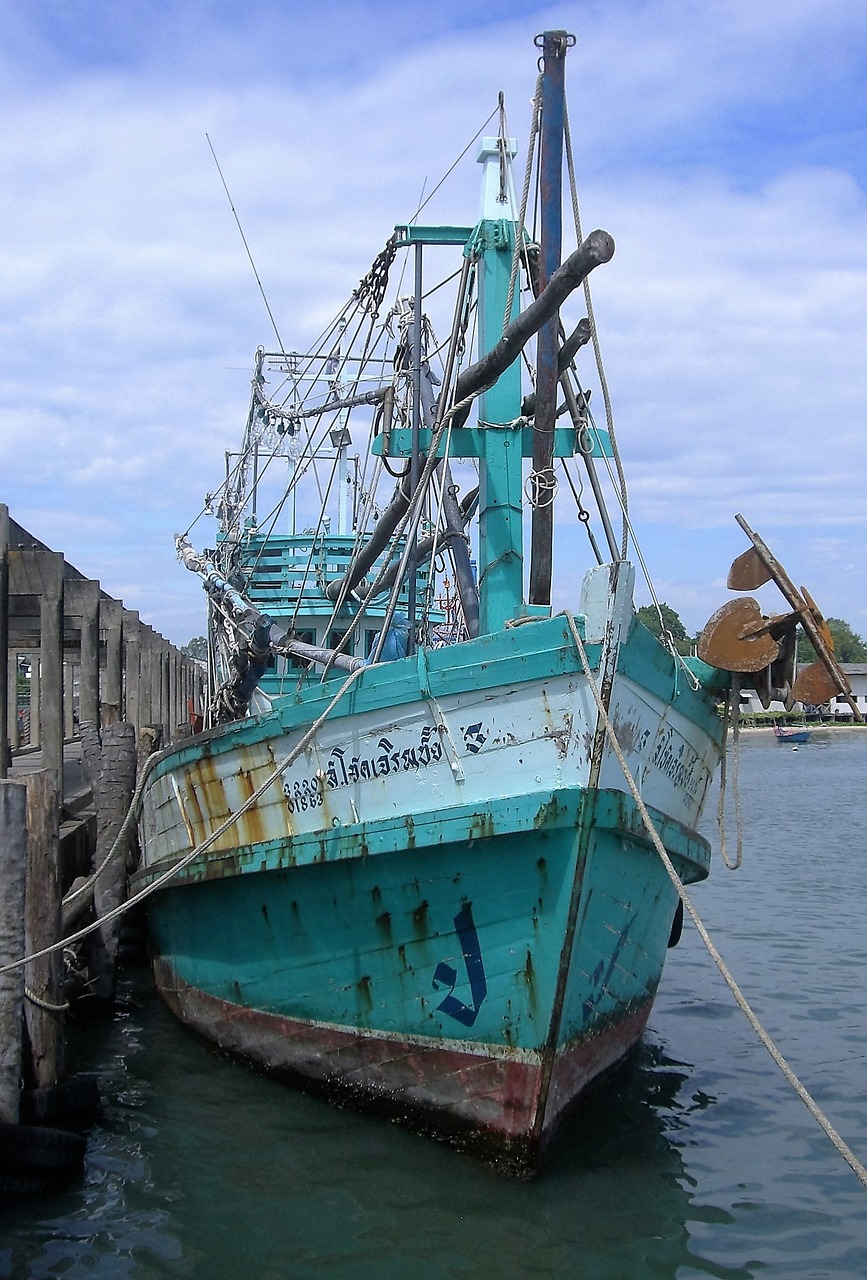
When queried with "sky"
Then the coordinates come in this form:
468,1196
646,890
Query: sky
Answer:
723,144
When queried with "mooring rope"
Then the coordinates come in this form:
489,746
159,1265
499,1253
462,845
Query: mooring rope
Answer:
810,1103
731,715
43,1004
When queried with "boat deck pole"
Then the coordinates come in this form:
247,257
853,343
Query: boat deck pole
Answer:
554,46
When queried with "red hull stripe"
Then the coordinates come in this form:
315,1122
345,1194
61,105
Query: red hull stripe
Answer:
430,1085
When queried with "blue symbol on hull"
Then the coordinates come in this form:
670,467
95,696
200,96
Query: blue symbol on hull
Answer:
601,975
446,976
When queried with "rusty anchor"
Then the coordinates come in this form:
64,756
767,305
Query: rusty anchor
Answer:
739,638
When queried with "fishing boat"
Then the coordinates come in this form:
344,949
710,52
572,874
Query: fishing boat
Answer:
412,860
791,734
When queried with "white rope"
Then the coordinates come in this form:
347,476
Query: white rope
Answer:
520,247
43,1004
810,1103
597,349
732,713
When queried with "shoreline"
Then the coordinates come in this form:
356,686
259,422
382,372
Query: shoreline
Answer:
819,726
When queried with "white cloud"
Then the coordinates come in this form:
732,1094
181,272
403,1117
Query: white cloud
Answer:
732,316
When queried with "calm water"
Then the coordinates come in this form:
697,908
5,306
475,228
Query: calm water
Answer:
696,1160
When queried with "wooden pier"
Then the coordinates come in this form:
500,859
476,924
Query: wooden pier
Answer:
87,689
87,658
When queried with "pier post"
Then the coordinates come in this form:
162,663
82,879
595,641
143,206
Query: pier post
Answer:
51,653
68,699
156,678
42,928
13,861
163,718
146,713
132,668
110,761
111,621
11,726
35,658
161,685
174,695
5,691
83,601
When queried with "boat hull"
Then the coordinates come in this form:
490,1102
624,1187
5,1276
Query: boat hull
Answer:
791,736
423,985
445,905
482,1104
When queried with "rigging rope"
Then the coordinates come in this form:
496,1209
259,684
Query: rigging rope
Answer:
597,350
455,164
520,247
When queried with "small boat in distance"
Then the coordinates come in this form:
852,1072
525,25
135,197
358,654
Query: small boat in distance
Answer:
791,734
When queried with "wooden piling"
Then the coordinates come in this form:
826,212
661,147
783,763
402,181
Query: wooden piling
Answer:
111,695
83,604
110,761
146,713
35,698
13,863
51,656
68,699
11,725
4,640
44,977
132,668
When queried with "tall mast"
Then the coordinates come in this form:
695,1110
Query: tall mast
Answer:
554,45
501,552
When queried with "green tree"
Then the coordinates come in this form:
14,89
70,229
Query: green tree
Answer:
848,645
197,648
670,620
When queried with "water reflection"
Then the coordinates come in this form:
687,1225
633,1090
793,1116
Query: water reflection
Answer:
695,1160
199,1167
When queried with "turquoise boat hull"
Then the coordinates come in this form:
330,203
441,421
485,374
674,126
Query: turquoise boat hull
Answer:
447,907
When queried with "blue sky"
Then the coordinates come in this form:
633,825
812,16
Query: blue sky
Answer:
722,144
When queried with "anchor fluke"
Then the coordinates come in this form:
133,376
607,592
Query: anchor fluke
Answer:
736,638
814,685
748,572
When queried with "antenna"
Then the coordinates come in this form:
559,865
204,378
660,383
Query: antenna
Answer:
247,247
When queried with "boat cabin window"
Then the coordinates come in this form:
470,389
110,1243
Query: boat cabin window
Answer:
334,639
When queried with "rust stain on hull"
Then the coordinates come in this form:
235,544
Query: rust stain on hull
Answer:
486,1105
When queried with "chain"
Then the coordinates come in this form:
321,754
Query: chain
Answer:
371,290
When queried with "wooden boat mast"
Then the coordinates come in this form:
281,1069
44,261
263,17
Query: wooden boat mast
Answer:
554,45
